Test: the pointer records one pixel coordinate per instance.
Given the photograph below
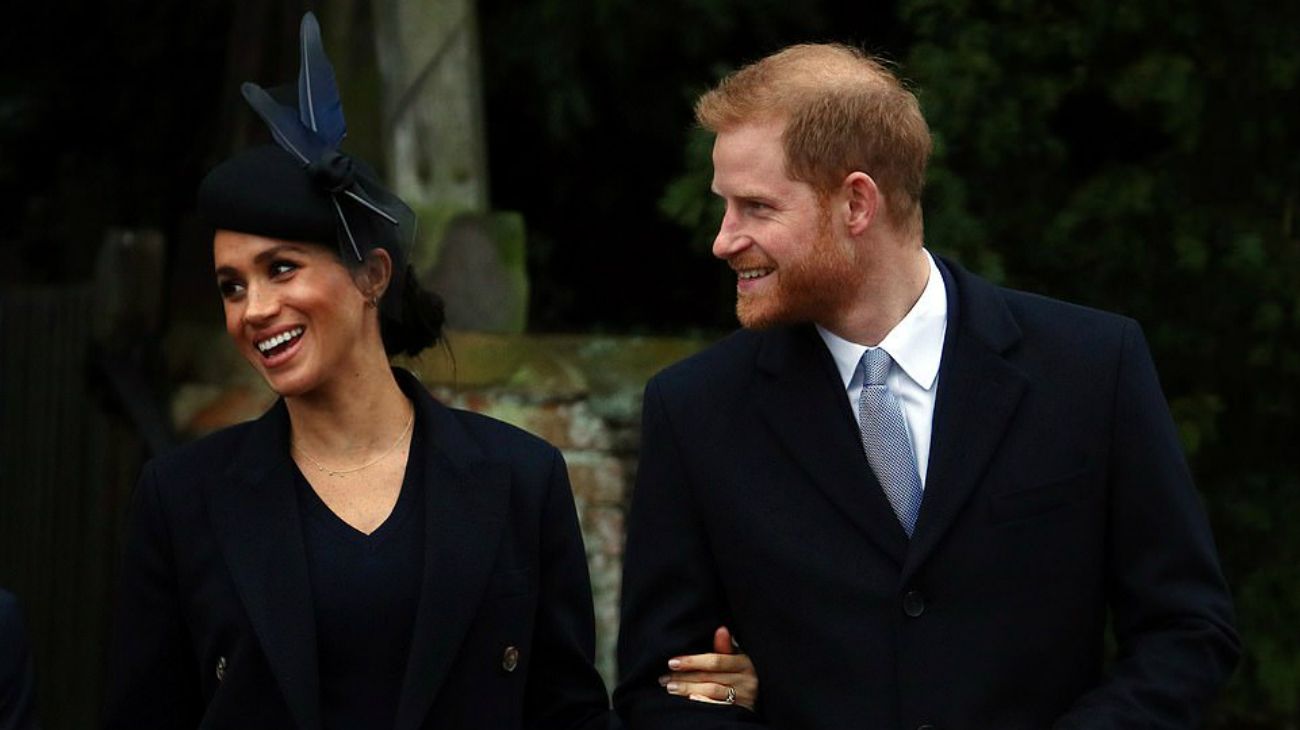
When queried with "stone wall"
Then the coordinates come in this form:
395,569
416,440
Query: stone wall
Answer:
581,393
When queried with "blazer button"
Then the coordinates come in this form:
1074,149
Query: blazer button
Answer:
221,669
510,659
914,604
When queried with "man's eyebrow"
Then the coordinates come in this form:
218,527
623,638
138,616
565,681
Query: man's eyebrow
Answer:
752,196
742,194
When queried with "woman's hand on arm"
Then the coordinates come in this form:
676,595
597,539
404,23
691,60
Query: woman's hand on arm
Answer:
725,676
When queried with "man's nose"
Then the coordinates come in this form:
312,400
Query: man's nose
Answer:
731,239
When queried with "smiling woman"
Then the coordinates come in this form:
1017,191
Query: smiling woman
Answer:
361,555
294,311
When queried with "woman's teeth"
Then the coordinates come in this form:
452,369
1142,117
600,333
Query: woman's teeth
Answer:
270,343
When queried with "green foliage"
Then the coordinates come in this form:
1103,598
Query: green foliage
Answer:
588,111
1130,158
688,199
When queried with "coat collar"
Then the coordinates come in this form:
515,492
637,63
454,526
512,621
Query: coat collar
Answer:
256,520
979,390
802,399
467,500
800,396
256,517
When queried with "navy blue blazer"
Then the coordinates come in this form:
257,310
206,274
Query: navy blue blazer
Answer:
17,672
1057,495
214,627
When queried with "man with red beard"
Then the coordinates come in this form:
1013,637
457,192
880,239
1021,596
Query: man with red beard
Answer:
915,498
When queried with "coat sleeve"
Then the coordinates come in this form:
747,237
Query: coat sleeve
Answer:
564,692
17,671
151,681
672,596
1170,607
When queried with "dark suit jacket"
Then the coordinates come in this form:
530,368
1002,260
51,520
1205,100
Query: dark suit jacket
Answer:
17,672
215,575
1057,490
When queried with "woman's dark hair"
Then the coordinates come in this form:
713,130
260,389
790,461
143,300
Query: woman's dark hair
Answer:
423,314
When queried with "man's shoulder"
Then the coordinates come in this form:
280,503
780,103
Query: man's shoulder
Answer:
1040,318
727,361
1036,310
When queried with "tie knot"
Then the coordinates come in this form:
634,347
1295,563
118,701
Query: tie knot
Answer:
875,366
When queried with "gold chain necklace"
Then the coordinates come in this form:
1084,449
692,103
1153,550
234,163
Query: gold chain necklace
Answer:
340,472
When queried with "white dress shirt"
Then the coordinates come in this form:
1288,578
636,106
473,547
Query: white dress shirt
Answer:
916,346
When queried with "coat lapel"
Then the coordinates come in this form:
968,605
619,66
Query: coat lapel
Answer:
978,394
803,401
256,517
467,499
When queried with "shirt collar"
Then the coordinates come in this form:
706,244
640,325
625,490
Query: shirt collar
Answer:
915,343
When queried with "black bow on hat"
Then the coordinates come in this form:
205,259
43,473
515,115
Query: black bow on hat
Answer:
367,215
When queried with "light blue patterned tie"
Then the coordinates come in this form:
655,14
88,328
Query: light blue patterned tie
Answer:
884,438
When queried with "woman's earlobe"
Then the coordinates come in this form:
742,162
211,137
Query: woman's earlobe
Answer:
374,276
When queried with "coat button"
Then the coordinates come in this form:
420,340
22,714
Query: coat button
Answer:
510,659
221,668
914,604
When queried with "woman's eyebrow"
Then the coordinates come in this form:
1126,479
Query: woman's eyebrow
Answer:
276,251
261,257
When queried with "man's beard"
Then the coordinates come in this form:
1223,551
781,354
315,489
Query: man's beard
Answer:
810,289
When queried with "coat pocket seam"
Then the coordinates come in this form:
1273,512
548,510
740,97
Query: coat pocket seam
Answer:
1044,498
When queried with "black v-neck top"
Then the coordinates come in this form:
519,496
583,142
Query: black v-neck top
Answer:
365,593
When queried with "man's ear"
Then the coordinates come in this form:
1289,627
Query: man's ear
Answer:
864,202
374,274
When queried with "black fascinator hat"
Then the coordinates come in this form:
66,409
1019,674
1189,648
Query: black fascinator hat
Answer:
305,188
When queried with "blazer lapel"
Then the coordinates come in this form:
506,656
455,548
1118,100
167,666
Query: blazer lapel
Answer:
466,502
256,517
803,401
978,394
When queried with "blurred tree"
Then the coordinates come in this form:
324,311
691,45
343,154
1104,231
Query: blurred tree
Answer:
428,56
589,108
1130,157
101,114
